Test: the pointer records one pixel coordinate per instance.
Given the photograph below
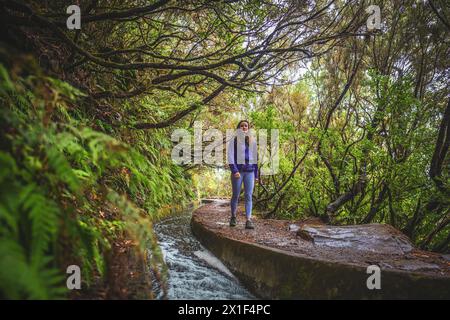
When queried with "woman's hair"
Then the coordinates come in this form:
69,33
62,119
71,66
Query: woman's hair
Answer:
239,124
247,138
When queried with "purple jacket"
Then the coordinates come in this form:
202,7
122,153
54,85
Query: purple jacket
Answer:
247,163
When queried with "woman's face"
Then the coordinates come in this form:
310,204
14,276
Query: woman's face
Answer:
244,126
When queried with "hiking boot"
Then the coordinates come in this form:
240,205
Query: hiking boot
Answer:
249,225
233,222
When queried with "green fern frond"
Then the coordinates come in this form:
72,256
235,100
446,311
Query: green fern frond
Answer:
62,168
44,215
19,279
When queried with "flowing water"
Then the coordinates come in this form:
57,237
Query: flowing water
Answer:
194,272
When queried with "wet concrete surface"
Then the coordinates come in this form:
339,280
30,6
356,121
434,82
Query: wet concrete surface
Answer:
361,245
310,260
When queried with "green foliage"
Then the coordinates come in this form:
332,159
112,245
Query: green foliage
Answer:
390,142
69,191
29,227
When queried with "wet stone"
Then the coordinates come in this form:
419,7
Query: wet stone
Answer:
375,237
279,260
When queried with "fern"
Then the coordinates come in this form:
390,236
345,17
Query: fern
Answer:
56,177
24,267
62,168
20,279
44,215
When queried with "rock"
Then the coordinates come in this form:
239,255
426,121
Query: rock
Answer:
312,221
304,235
375,237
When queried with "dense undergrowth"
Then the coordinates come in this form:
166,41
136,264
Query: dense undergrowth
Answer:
72,186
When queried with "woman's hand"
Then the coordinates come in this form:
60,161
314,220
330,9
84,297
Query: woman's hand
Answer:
237,175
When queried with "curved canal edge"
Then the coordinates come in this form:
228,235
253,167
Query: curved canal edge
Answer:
278,274
193,272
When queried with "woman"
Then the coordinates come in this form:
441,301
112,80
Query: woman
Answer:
243,166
